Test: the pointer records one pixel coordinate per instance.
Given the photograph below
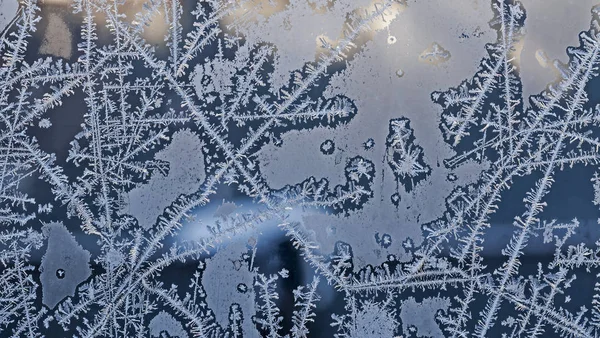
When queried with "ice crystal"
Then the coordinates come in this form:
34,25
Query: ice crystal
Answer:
248,168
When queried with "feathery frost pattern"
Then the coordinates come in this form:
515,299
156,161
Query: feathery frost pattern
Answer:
135,199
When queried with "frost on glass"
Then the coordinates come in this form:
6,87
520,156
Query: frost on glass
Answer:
310,168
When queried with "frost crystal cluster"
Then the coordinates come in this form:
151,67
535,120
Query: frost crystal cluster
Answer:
299,168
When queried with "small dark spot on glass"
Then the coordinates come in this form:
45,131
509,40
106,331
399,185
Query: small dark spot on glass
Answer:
242,288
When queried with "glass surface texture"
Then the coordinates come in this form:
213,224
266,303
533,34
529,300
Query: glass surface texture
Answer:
300,168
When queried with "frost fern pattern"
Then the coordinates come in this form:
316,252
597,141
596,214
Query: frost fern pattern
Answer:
128,227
